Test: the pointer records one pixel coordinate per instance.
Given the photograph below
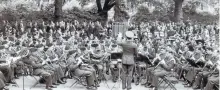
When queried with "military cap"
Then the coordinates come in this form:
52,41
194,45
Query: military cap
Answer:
4,42
11,38
39,45
72,52
33,49
114,45
94,45
67,47
82,48
129,34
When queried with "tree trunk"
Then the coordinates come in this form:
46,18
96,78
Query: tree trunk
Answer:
99,5
58,10
178,13
103,12
120,14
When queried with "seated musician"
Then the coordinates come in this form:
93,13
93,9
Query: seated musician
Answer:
5,68
193,70
77,67
184,66
3,84
38,68
142,61
97,58
165,65
52,64
207,70
213,79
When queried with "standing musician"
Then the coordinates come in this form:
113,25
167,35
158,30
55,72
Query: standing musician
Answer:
128,58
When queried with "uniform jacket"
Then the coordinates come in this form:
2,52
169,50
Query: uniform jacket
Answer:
129,51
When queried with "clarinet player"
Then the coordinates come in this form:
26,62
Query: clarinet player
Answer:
129,52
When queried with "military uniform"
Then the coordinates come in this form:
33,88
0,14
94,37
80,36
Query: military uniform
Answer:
38,70
164,68
6,69
202,76
129,50
82,71
59,73
2,82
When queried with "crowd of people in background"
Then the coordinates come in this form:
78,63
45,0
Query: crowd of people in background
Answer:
62,50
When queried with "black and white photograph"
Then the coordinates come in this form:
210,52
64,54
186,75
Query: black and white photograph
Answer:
109,44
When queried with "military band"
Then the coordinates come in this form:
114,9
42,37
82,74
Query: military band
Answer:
56,52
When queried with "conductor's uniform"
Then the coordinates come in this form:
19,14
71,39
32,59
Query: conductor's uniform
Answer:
129,50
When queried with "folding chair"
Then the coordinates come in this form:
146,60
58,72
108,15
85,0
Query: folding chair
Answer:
170,82
37,81
78,80
216,87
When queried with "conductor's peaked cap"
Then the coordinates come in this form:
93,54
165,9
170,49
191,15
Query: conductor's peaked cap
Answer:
129,34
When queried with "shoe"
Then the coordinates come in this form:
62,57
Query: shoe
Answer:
12,82
185,83
56,84
196,87
16,77
154,88
7,84
150,86
53,86
97,85
5,88
137,83
91,88
188,85
61,82
49,88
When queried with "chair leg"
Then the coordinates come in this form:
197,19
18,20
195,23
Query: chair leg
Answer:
160,82
34,84
169,84
38,81
74,84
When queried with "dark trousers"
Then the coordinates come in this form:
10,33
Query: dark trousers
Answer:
127,71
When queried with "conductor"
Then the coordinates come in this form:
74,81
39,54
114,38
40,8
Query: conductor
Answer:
129,52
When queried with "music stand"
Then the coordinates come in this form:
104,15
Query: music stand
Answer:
119,56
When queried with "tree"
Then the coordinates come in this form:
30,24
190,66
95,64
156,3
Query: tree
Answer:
178,13
58,10
103,11
120,14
